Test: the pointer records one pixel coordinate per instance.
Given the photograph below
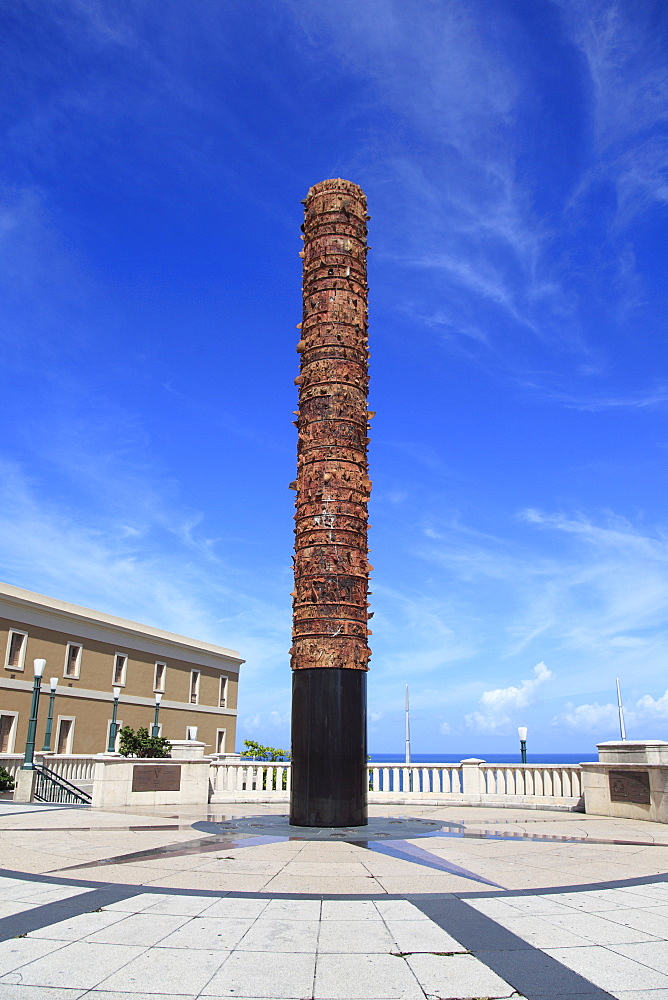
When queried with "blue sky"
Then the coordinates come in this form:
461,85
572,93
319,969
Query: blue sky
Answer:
515,160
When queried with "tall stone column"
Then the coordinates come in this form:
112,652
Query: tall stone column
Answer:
330,652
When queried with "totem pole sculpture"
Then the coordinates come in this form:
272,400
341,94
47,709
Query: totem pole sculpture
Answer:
330,653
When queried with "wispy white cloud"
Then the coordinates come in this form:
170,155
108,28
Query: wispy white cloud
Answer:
626,60
649,398
590,593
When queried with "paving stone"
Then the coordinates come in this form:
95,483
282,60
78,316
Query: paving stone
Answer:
540,933
363,909
19,992
653,954
17,952
398,909
115,995
220,933
139,929
592,927
609,970
446,976
643,920
79,964
235,907
274,936
256,974
642,994
166,970
421,935
75,928
365,977
355,936
135,904
293,909
181,905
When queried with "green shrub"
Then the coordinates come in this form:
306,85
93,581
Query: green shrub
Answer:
140,744
6,780
256,751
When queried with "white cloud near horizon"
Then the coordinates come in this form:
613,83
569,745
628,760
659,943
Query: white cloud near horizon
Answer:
497,705
604,718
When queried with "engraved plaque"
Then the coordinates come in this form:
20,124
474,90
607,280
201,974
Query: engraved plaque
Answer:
629,786
156,778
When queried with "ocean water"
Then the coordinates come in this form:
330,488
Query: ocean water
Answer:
490,758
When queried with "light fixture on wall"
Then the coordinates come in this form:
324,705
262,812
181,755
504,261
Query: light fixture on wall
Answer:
29,756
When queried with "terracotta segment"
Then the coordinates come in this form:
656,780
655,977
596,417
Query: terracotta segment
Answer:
330,599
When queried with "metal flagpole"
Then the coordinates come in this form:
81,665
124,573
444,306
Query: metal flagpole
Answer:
408,730
622,727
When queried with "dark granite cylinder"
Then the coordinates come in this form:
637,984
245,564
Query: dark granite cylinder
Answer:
329,775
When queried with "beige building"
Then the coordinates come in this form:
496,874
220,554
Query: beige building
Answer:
90,653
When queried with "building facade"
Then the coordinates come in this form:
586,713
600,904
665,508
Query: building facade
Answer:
90,653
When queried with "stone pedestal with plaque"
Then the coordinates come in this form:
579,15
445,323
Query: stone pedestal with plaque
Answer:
132,781
630,780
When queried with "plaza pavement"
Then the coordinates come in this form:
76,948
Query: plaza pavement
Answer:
497,903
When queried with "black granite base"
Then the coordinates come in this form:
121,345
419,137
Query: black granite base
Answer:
329,772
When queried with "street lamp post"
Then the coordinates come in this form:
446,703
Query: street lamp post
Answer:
29,757
53,684
156,731
522,733
112,726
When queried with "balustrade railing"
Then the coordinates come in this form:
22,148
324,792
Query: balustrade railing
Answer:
250,780
76,768
556,781
467,782
471,781
414,779
11,762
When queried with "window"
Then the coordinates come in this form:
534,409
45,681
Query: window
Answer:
120,665
220,741
222,700
159,678
194,687
72,660
7,731
64,735
16,649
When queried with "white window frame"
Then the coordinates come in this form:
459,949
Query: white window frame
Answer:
195,675
156,688
120,683
119,726
219,741
70,738
12,731
223,691
24,646
77,672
